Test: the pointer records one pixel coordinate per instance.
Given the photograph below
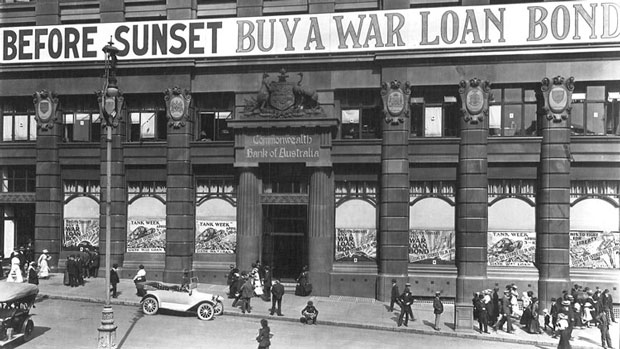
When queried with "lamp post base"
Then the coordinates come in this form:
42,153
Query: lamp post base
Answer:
107,330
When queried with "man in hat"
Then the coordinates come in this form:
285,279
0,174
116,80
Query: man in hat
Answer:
277,291
114,279
310,313
437,309
185,280
603,326
395,295
405,302
504,316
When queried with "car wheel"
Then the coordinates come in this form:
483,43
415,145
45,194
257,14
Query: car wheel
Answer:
150,306
205,311
218,308
27,329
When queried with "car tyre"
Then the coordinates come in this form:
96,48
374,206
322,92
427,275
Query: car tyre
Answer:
150,306
205,311
27,329
218,308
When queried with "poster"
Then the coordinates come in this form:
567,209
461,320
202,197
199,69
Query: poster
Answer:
356,245
146,235
431,246
80,231
507,248
594,249
216,236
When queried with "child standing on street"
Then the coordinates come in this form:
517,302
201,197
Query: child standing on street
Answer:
263,335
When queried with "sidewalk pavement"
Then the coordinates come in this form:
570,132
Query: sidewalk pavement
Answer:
333,311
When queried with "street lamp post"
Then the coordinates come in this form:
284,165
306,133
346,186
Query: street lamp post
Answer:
110,105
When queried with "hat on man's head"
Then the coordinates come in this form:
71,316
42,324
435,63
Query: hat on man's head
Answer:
393,281
45,250
437,293
408,284
566,302
310,303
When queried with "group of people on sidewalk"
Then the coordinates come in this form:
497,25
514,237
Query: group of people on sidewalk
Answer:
25,269
405,301
81,265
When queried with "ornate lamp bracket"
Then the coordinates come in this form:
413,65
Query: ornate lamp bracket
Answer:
177,106
110,107
475,95
45,106
395,101
558,94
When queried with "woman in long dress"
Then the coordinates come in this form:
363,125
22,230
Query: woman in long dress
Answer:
44,269
15,275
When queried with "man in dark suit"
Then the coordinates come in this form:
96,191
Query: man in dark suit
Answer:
114,279
395,295
277,291
405,302
504,316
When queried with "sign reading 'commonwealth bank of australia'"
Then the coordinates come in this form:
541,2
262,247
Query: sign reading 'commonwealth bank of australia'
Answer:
280,148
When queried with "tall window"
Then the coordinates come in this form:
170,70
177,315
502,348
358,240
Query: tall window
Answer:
147,125
214,111
588,114
360,113
512,112
18,126
434,112
82,127
613,113
18,179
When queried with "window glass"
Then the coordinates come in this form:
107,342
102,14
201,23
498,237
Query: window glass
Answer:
21,127
370,123
7,128
512,119
147,125
529,120
432,122
81,127
576,118
95,128
33,128
417,114
495,120
350,123
596,118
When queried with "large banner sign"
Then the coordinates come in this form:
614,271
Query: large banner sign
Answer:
280,148
146,235
511,248
432,246
594,24
216,236
595,249
356,245
80,232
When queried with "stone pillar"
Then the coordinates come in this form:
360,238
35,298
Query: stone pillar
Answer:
49,193
553,197
47,12
112,11
181,9
118,194
321,229
471,200
393,233
249,218
180,196
249,8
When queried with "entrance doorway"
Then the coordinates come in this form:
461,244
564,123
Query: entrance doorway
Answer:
285,236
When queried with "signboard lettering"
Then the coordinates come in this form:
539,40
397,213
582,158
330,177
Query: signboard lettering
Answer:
281,148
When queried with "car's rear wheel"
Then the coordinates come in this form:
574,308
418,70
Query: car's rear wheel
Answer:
218,308
205,311
27,329
150,306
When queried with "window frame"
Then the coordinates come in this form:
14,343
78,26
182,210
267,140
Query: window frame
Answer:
30,129
94,127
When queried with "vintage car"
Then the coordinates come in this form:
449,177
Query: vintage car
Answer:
16,299
160,295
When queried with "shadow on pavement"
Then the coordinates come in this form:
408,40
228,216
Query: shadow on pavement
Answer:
138,315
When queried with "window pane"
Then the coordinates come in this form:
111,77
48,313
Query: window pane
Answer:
33,128
495,120
576,119
7,128
417,113
596,118
135,118
207,125
432,122
370,124
350,123
512,119
529,120
21,127
81,127
69,118
147,125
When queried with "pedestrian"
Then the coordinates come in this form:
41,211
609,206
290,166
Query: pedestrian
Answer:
395,295
85,262
534,324
496,306
247,292
15,274
242,279
264,335
310,313
256,280
33,277
547,319
139,279
114,279
608,304
95,262
405,302
267,284
562,327
505,311
437,309
79,269
555,310
277,292
185,280
304,287
72,271
483,314
231,273
526,301
43,262
603,325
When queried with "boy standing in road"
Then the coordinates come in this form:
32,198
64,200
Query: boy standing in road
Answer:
437,309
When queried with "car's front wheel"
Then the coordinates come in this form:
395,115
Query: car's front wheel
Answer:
150,306
218,308
27,329
205,311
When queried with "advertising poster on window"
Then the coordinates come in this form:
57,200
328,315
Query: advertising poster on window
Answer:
509,248
432,246
80,232
595,249
146,235
216,236
356,245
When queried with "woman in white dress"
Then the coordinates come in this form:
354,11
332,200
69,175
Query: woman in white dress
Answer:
15,275
44,269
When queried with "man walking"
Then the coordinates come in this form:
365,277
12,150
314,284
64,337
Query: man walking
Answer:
247,292
277,291
437,309
114,280
405,302
505,311
603,326
395,295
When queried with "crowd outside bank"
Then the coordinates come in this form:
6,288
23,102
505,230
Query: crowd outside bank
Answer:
24,268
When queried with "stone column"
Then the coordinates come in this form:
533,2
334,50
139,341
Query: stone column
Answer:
180,196
553,197
321,229
49,193
249,218
471,200
393,233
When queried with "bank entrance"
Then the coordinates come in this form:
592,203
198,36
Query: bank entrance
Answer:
285,236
